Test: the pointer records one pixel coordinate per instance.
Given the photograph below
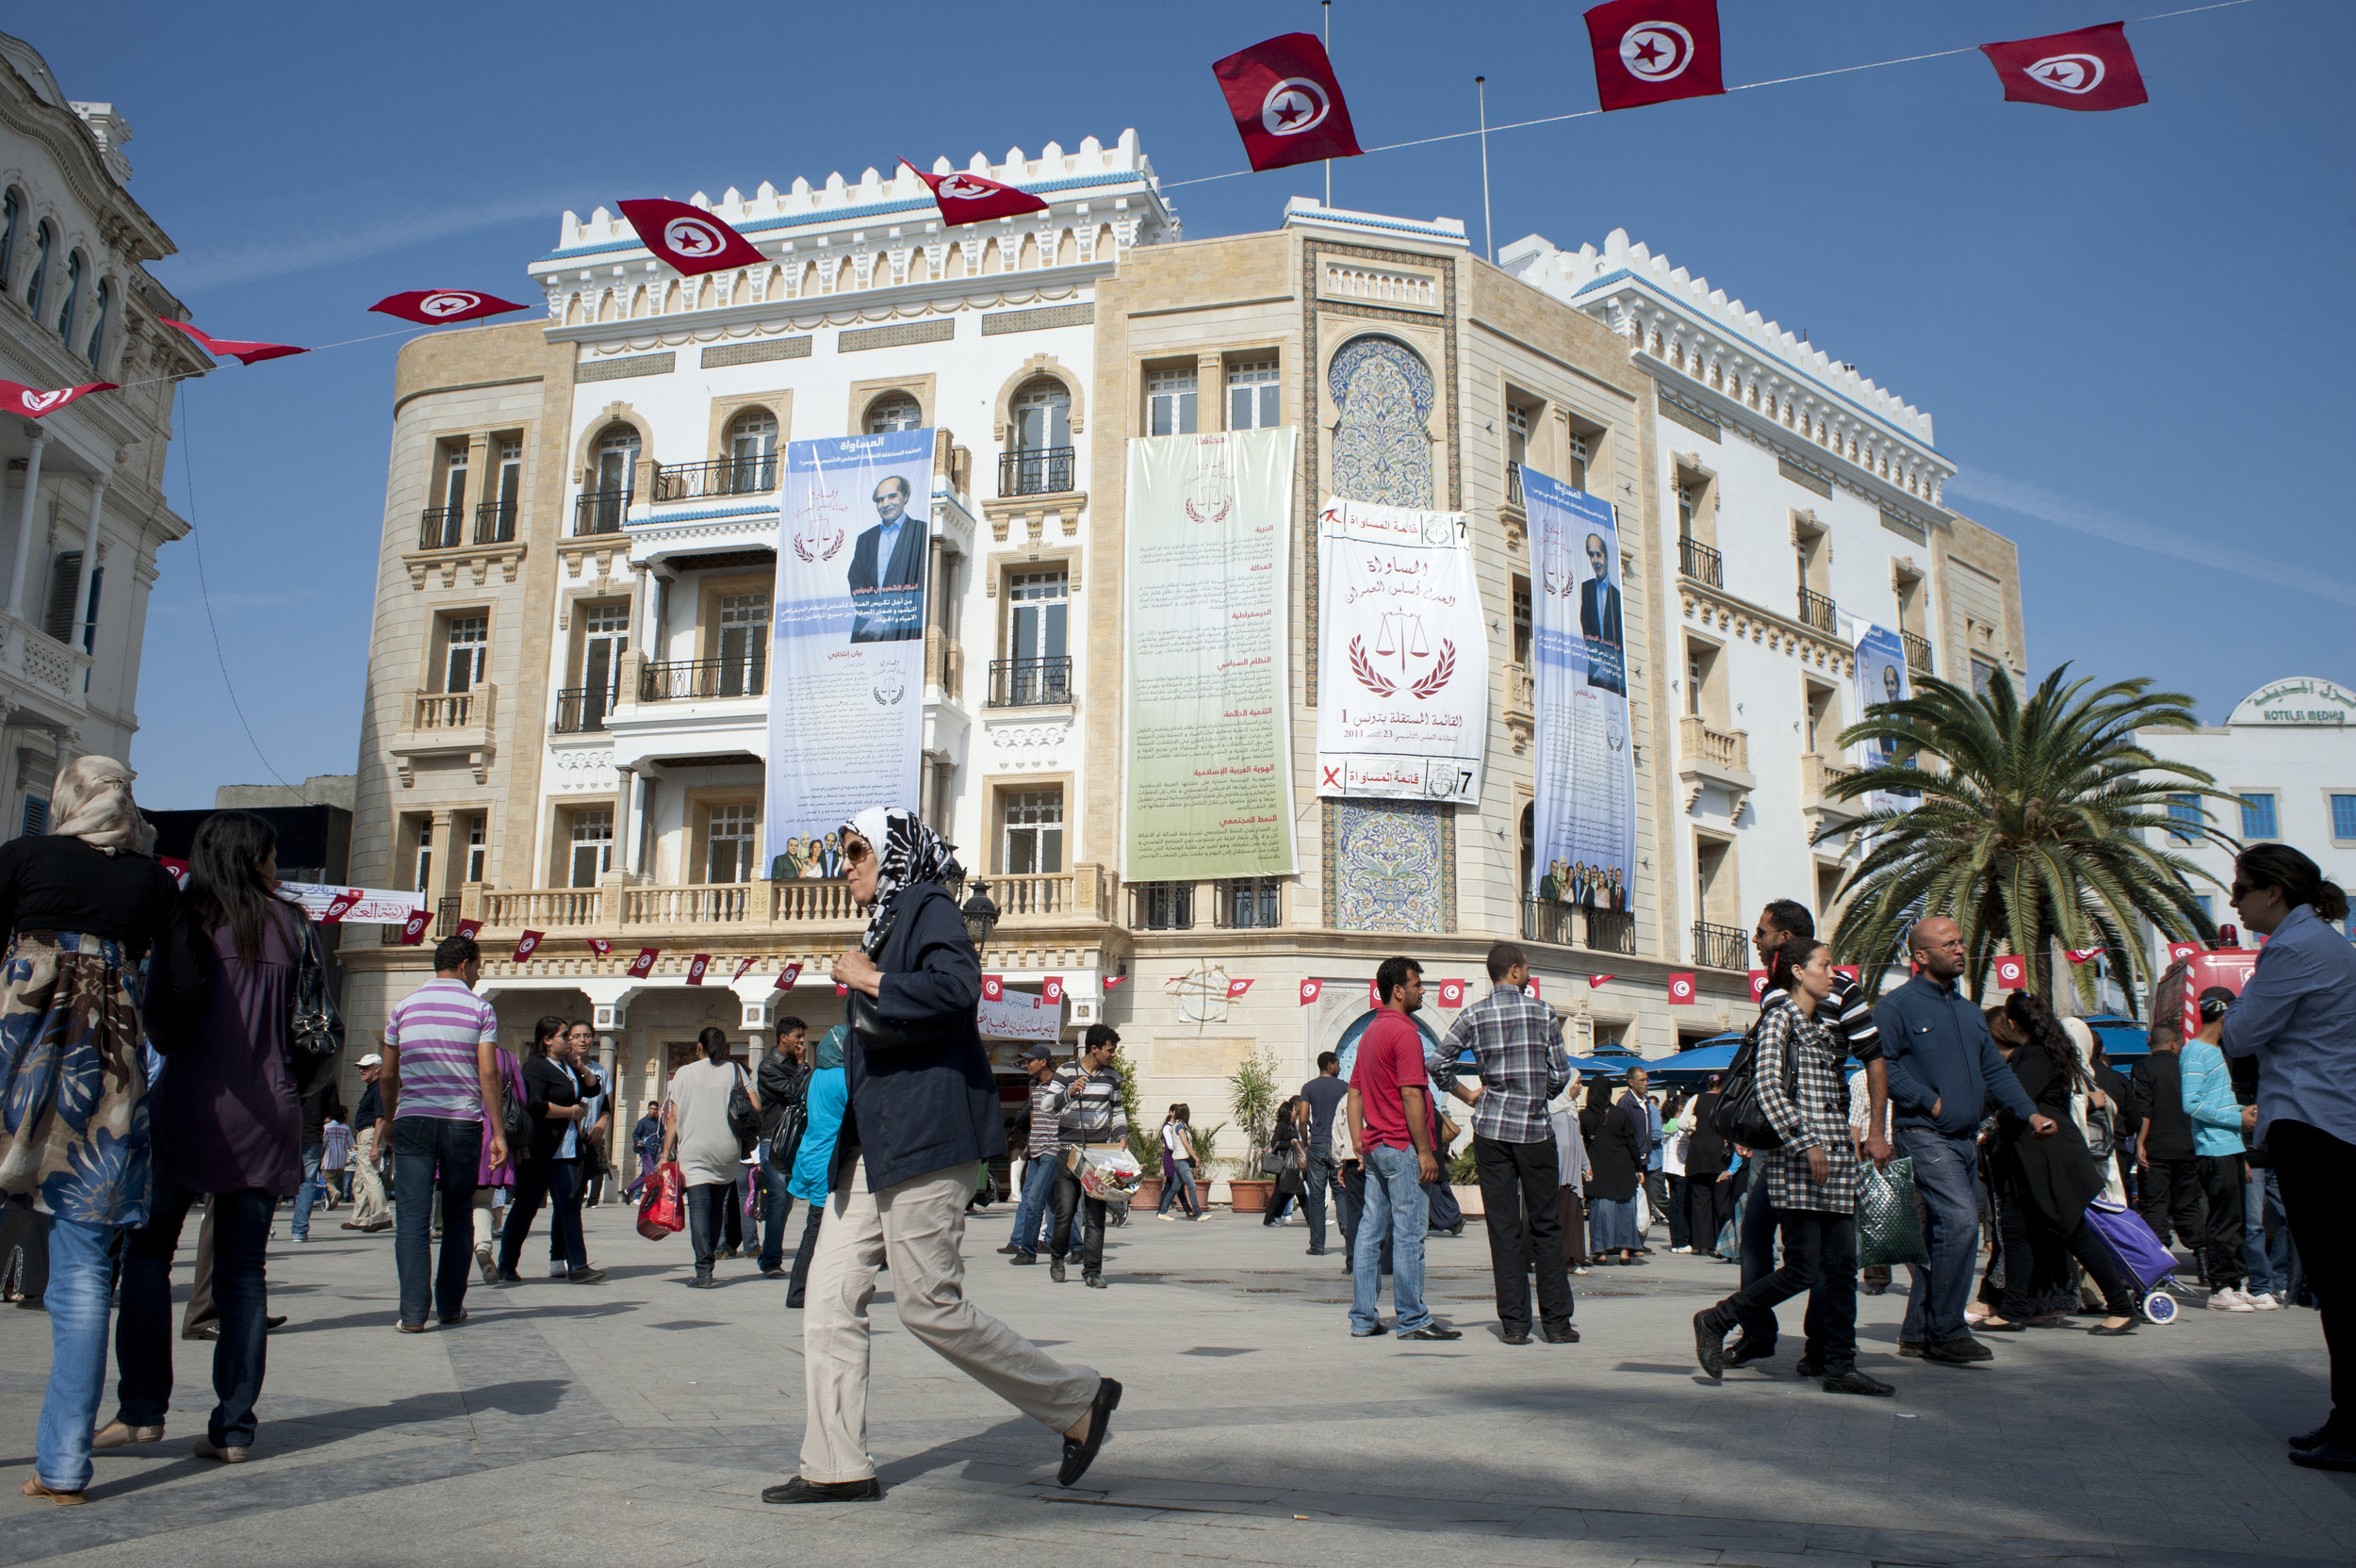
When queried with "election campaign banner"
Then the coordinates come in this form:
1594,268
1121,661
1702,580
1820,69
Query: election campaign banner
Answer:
1584,842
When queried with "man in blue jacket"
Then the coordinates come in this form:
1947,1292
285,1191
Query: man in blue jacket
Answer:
1943,1065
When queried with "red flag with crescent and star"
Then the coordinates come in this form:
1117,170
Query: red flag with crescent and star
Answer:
2085,954
243,352
1288,103
2090,69
1451,993
468,928
33,403
435,307
787,976
1051,989
643,965
526,945
741,968
1654,51
2012,975
993,987
1758,984
413,929
688,237
1236,988
970,198
1112,982
695,967
1595,982
600,946
341,906
1533,990
1309,989
1681,989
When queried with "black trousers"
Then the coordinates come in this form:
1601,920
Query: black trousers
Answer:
1708,1204
2170,1198
708,1203
1069,1200
800,1281
2315,1172
1349,1192
2221,1179
1521,1197
556,1184
144,1331
2037,1261
1818,1257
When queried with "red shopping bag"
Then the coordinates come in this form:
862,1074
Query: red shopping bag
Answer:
663,1210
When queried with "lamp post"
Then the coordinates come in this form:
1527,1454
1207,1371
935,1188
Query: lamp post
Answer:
981,915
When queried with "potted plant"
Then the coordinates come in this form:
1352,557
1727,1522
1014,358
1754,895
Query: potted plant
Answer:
1252,1094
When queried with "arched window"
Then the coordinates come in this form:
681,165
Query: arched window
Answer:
102,304
606,502
13,213
41,240
1040,463
753,453
893,411
73,296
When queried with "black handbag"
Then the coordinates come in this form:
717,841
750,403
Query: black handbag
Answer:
315,1033
1740,1117
869,1031
514,1115
743,1119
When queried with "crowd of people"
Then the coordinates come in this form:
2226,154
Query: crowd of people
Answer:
172,1044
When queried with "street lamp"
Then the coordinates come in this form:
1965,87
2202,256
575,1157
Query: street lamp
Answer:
981,915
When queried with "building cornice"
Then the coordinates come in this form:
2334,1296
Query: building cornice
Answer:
940,295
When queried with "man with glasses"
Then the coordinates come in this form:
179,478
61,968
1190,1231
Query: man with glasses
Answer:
1092,1117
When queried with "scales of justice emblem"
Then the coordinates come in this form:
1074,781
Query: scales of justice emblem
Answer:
1211,494
1561,566
1400,634
819,526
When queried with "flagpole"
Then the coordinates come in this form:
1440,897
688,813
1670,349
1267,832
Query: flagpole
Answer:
1480,85
1326,9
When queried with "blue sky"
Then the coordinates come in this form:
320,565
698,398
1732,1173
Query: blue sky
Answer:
2133,328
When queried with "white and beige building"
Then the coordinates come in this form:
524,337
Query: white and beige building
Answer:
568,712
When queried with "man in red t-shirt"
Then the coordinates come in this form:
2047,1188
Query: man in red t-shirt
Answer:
1390,1098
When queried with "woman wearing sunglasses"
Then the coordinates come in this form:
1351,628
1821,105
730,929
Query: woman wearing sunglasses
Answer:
922,1115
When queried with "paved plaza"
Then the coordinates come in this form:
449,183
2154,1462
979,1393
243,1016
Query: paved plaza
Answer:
636,1421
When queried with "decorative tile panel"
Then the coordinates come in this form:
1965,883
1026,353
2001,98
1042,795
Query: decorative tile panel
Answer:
999,321
623,369
1390,865
1383,444
753,354
896,335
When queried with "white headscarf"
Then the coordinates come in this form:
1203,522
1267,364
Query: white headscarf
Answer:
907,852
93,803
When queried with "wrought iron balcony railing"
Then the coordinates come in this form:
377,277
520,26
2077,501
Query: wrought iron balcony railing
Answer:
1702,564
1029,682
686,679
1817,611
601,511
726,476
1035,471
443,528
1721,946
494,523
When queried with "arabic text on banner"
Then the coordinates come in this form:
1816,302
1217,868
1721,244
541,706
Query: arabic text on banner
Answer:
1585,844
1403,657
1021,1016
1209,763
846,692
375,908
1881,676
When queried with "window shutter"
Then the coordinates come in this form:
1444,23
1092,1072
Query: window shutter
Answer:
65,589
35,816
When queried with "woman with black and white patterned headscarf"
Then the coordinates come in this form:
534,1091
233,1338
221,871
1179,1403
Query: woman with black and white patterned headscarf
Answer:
922,1115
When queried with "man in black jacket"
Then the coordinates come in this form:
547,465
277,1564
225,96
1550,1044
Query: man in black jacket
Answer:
923,1115
784,1084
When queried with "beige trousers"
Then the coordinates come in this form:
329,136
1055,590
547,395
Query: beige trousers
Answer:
367,1187
921,1225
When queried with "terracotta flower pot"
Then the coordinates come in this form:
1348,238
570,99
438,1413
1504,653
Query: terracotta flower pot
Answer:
1251,1196
1149,1196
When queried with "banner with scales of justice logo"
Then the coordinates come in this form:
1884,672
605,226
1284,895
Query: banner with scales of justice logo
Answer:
846,693
1403,659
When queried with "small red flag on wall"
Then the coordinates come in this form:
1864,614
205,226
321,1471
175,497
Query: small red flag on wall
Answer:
1236,988
527,945
1681,991
1309,989
643,965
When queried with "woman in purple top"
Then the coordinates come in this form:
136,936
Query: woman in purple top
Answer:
228,1126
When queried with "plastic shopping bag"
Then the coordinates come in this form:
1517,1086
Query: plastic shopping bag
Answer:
1888,1218
663,1209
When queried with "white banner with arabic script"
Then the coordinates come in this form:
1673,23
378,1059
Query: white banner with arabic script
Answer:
374,905
1021,1016
1403,659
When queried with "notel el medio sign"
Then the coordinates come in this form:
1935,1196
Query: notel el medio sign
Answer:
2300,701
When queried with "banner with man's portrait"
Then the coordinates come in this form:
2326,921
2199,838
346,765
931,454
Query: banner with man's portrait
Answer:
1583,840
1881,676
846,690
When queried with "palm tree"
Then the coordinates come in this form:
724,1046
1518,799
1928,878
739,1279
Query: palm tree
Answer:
2030,832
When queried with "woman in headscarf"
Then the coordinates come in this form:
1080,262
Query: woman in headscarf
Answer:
921,1114
82,904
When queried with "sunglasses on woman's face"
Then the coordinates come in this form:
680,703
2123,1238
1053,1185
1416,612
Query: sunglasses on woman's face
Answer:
854,852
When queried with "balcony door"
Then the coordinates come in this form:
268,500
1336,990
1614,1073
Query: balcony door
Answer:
1038,605
753,453
617,472
1170,400
743,644
469,640
605,637
591,845
1032,824
1040,462
729,835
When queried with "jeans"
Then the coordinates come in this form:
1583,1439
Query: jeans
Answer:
1819,1257
1319,1173
144,1335
773,1223
1072,1199
307,1194
2222,1186
2257,1257
1612,1225
1521,1200
80,1280
1393,1202
557,1183
1183,1190
430,1155
1944,1177
707,1206
2317,1170
1038,1202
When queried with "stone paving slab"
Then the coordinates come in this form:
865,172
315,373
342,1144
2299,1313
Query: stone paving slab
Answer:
636,1421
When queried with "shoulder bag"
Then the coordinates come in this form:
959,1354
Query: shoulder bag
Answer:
315,1033
515,1115
1740,1117
743,1120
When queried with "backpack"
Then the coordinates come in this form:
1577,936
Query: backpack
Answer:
1738,1117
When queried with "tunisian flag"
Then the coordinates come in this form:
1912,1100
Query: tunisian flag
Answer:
2012,975
1681,989
970,198
1288,106
2089,69
1652,51
434,306
690,239
31,402
243,352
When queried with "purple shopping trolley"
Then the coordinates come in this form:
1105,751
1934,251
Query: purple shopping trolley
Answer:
2148,1262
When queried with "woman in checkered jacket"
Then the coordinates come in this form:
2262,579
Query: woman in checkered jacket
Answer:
1812,1177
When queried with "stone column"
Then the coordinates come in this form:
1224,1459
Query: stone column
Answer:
1210,393
39,438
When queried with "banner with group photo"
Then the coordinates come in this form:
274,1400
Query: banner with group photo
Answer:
1208,753
1881,676
1584,839
846,690
1403,656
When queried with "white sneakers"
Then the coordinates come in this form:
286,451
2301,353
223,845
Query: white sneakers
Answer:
2264,1301
2230,1299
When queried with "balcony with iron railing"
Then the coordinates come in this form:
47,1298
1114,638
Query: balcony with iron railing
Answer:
1817,611
694,679
582,709
494,523
600,512
1030,682
1701,563
726,476
1036,471
1721,946
1547,919
442,528
1918,654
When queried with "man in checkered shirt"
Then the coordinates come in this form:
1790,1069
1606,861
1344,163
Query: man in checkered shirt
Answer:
1516,1044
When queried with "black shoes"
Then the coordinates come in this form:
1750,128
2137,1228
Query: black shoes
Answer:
1561,1333
1010,1248
1810,1368
1317,1252
1432,1331
1020,1258
703,1281
1375,1332
1054,1270
1742,1353
1516,1336
2329,1456
2307,1442
799,1491
1078,1456
1959,1351
584,1275
1855,1381
509,1277
2098,1331
452,1319
1910,1347
1094,1282
1710,1345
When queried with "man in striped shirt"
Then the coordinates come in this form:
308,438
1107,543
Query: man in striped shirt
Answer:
441,1084
1039,1152
1093,1115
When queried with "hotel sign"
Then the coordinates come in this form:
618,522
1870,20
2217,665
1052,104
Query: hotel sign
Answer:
2296,702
